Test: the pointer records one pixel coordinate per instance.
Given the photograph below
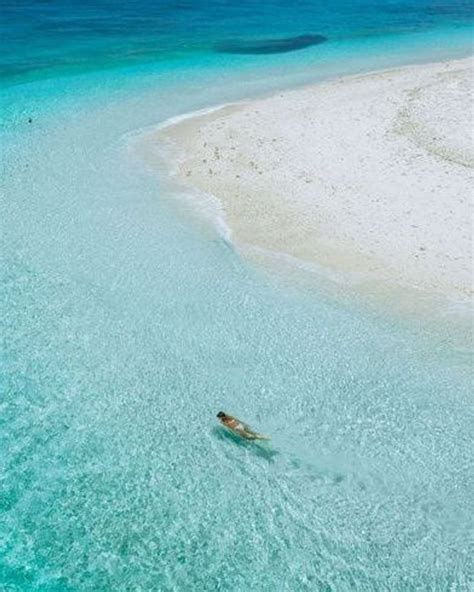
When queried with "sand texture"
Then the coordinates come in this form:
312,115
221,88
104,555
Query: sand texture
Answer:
370,175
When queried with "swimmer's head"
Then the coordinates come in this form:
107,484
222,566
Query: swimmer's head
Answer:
221,414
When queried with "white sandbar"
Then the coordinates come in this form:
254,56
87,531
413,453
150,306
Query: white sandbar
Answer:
368,174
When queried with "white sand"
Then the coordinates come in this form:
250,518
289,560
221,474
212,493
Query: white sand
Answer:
370,174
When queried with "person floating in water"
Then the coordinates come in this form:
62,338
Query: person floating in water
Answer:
238,427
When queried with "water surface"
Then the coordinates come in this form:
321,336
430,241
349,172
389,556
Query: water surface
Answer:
128,321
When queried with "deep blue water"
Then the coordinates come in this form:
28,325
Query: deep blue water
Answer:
42,38
127,322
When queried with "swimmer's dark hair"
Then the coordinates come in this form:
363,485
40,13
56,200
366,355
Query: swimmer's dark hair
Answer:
221,414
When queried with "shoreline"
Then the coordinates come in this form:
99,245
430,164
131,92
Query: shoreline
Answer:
265,161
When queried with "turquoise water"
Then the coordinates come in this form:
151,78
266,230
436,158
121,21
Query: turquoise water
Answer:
46,38
128,322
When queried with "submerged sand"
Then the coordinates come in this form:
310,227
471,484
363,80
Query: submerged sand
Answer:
371,174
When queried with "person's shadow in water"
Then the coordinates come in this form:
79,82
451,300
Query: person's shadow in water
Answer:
257,447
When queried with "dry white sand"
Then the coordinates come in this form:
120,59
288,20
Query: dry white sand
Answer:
370,174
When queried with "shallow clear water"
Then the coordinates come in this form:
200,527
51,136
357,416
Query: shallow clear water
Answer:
127,322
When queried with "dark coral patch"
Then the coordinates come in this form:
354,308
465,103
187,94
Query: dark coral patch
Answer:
264,46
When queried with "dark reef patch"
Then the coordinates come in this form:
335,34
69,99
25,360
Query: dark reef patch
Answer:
263,46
